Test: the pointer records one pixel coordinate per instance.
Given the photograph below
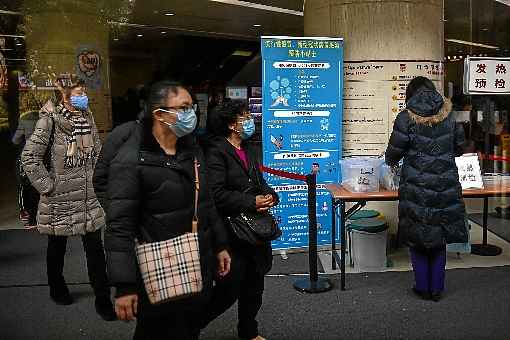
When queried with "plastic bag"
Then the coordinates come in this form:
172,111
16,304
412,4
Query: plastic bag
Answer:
390,177
461,248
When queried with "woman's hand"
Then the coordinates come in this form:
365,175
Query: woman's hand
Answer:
274,200
264,203
224,261
126,307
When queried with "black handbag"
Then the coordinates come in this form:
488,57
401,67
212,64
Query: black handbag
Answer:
256,228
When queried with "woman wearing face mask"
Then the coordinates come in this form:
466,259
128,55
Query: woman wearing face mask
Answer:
68,205
431,210
238,186
150,197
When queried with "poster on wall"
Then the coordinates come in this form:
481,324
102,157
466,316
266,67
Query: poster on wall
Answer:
375,92
301,128
486,76
88,66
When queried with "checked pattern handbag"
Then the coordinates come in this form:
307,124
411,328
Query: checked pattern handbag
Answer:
171,269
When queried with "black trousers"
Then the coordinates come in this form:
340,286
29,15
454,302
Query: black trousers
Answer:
178,326
245,285
96,264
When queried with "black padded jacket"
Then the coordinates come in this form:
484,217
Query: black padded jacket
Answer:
431,208
151,197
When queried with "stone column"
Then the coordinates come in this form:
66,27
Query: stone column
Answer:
387,43
63,34
380,29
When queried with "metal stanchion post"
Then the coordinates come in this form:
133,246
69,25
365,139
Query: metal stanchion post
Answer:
313,284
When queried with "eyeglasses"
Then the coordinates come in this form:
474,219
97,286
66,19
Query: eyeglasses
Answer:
173,109
244,116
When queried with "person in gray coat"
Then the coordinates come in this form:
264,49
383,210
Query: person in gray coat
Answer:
68,205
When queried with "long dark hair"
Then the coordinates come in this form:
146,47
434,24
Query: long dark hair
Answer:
416,84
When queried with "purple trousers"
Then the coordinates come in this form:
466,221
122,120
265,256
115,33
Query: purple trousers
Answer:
429,269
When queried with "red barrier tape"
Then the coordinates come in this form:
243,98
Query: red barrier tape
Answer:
284,174
496,158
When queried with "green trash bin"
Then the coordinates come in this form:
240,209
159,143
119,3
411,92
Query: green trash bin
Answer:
364,214
368,238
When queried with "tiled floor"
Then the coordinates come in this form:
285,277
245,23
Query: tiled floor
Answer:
400,259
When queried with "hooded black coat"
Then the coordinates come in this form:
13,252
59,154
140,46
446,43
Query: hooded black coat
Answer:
426,136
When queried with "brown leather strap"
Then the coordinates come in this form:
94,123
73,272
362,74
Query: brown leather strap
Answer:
194,223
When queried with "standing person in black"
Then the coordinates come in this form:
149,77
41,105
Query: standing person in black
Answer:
431,210
28,196
238,186
150,196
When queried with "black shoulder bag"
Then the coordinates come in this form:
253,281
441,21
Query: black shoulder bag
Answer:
255,228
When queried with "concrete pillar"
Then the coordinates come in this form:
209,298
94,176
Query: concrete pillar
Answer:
380,29
60,36
395,40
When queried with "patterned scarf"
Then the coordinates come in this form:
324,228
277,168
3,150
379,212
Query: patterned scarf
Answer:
80,146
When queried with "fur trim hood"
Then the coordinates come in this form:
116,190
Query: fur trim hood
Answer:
435,119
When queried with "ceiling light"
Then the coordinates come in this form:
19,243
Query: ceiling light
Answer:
139,35
164,32
240,53
485,29
169,14
19,44
12,36
10,12
470,43
504,2
115,39
259,6
257,25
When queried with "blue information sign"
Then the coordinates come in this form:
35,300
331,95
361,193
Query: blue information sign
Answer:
302,128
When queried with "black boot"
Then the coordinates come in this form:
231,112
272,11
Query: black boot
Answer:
423,295
60,295
435,296
105,309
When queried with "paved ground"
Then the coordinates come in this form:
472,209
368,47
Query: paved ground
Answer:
375,306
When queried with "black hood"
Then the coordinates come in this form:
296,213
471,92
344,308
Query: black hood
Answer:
425,102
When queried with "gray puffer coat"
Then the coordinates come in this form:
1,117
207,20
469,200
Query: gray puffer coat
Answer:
68,205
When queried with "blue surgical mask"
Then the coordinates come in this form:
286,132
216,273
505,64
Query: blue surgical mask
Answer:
80,102
185,124
248,128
